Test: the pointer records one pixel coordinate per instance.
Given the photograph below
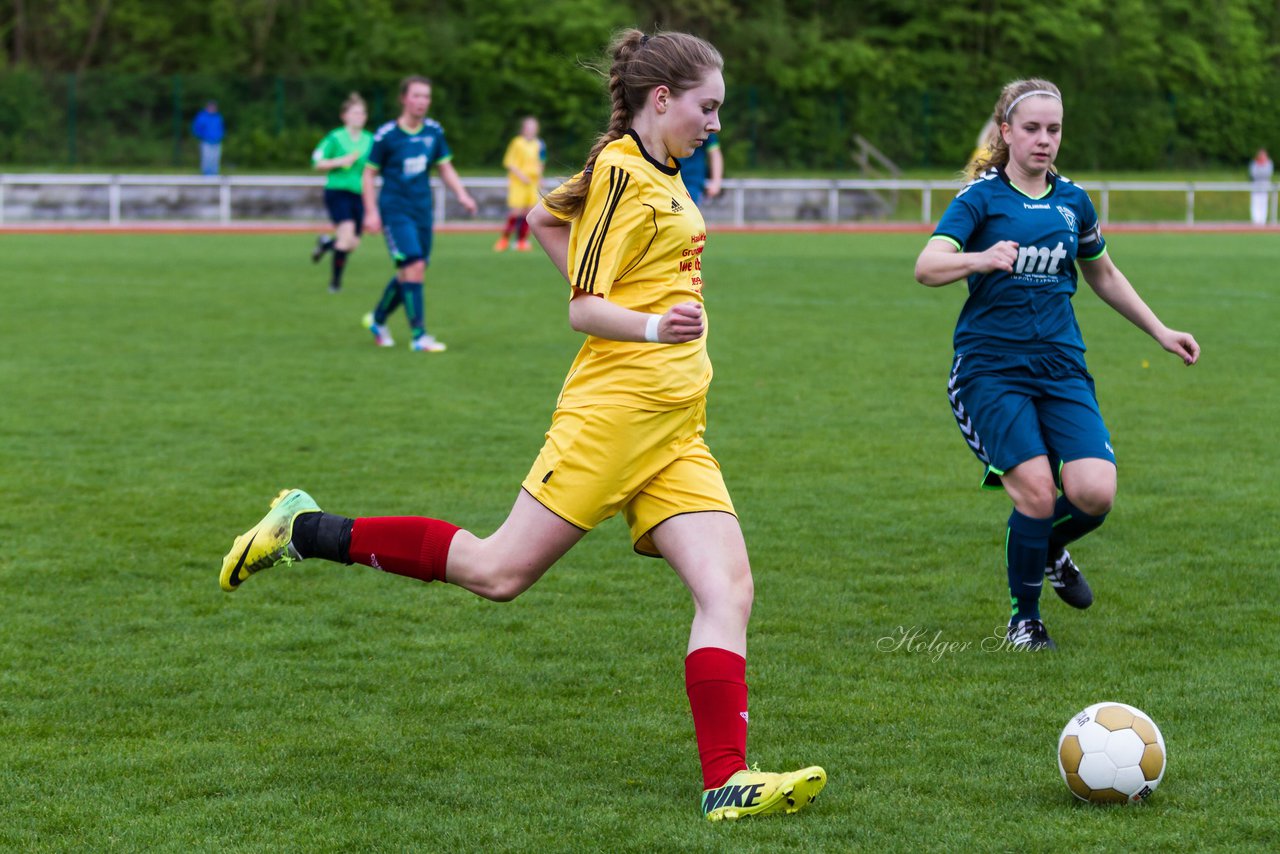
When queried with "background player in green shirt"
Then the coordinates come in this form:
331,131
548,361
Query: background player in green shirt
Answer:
343,154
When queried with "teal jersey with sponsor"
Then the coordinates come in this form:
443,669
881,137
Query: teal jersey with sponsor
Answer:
1028,309
339,144
405,157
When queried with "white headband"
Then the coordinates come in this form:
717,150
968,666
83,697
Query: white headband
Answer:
1009,111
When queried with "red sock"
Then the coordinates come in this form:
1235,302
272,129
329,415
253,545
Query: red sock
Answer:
524,227
716,681
406,545
511,224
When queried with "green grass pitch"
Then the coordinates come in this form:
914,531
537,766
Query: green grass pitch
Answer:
158,390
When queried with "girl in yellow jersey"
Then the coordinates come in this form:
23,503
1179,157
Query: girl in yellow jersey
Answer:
627,435
523,161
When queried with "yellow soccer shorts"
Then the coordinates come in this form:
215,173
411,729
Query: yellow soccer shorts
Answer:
650,465
521,195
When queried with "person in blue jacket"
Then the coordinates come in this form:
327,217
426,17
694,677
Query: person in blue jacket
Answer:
209,129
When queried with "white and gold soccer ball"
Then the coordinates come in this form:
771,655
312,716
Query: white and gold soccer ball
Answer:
1111,753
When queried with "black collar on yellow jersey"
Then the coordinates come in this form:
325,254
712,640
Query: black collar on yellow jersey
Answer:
661,167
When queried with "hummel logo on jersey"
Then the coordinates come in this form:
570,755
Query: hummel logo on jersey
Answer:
1040,259
676,207
731,796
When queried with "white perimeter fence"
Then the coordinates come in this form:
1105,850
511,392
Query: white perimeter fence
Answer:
141,199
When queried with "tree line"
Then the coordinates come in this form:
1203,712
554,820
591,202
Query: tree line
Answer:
1146,84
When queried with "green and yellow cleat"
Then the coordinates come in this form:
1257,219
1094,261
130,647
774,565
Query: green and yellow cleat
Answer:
761,793
267,543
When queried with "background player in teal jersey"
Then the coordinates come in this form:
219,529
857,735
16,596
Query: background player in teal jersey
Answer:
1019,388
404,152
703,170
342,154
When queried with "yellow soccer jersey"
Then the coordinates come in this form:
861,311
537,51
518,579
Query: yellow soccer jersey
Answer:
525,155
638,243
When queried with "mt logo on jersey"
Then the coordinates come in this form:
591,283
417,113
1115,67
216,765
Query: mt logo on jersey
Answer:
1040,259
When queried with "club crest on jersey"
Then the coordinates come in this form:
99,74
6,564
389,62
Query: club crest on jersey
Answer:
1069,215
676,207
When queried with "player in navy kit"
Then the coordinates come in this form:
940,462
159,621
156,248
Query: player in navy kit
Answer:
1019,388
404,152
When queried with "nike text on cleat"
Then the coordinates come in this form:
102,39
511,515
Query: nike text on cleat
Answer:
1068,582
267,543
761,793
1029,635
427,344
381,335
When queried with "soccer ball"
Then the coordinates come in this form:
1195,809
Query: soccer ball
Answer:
1111,753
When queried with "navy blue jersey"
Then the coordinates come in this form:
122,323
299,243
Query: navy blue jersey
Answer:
1029,309
404,159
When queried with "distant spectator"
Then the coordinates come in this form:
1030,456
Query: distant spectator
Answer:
1260,171
703,170
208,128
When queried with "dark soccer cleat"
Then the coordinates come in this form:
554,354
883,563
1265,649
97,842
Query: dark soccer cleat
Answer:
323,244
1068,582
1029,635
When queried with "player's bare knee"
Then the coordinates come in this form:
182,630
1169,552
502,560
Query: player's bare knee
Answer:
1094,499
502,591
1037,499
503,585
736,592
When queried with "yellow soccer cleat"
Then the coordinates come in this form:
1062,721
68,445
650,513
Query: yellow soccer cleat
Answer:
268,542
761,793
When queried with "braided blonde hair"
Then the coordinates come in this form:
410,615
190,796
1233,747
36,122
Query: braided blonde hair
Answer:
638,63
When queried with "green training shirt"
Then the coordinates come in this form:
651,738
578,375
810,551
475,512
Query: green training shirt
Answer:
339,144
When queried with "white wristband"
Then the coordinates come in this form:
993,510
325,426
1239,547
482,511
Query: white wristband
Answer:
651,328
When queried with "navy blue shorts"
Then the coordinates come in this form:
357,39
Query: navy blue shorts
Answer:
345,205
1013,407
407,239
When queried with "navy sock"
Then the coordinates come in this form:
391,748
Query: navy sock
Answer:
339,265
1026,551
414,309
1070,523
392,296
